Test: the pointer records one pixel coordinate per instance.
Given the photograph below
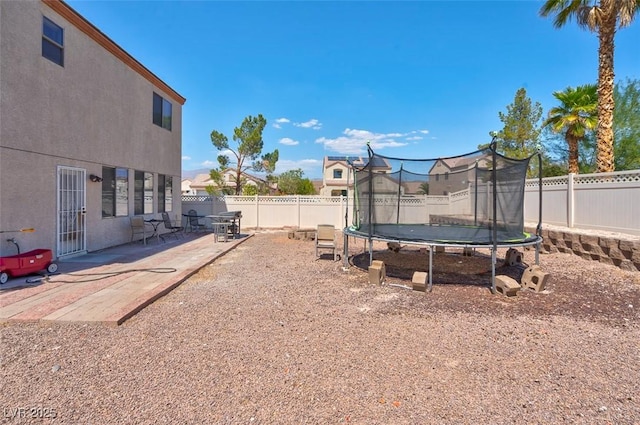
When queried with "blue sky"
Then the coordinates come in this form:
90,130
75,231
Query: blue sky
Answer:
419,79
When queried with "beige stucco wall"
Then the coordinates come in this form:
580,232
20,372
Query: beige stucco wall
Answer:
94,111
330,183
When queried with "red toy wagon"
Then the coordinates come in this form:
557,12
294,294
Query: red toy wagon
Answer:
26,263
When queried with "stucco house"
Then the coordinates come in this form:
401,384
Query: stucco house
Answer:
89,137
450,175
198,185
337,173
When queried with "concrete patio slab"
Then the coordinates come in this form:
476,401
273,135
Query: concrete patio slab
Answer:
112,285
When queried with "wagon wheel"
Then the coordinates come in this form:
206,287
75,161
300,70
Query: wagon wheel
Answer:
3,278
52,268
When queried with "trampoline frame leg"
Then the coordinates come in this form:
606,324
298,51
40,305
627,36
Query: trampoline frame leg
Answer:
493,270
430,267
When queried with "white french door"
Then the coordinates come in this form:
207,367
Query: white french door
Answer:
71,224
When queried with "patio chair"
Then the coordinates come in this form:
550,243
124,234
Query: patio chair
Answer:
193,221
139,227
326,240
172,228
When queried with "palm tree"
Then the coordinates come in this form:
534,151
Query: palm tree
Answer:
576,115
423,189
603,16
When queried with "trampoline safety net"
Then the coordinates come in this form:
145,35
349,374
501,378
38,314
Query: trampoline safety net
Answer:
476,198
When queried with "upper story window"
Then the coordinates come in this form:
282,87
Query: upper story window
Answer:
161,111
52,41
337,174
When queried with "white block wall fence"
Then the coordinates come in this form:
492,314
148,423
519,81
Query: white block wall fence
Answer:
603,201
274,212
574,208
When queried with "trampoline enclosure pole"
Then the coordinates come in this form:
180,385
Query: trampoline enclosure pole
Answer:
475,197
494,233
399,194
345,261
369,165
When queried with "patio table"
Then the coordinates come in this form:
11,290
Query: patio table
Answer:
220,226
154,222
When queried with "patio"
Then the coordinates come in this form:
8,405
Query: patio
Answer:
111,285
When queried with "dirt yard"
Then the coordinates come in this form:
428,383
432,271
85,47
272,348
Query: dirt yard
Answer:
268,334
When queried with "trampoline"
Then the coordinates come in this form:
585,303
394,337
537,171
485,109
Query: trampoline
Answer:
468,201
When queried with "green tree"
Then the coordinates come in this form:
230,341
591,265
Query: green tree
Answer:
626,125
292,182
249,147
603,16
249,190
574,117
520,136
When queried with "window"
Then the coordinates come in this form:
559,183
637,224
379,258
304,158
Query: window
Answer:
115,192
446,176
161,111
142,193
165,193
337,174
437,177
52,41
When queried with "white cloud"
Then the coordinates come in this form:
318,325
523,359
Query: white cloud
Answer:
186,158
312,123
424,131
310,167
280,121
414,138
354,142
208,163
289,142
227,152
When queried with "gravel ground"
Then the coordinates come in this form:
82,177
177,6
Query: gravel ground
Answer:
268,335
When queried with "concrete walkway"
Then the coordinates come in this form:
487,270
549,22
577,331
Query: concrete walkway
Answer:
111,285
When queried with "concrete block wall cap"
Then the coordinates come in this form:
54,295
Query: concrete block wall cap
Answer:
589,239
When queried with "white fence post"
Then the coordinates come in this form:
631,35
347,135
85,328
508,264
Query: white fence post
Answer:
257,211
298,209
570,200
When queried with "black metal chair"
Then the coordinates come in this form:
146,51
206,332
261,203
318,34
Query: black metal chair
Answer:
193,221
172,228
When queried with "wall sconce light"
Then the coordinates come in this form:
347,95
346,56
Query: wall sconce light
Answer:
94,178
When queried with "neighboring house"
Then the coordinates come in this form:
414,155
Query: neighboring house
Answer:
200,182
88,137
337,175
185,187
452,174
